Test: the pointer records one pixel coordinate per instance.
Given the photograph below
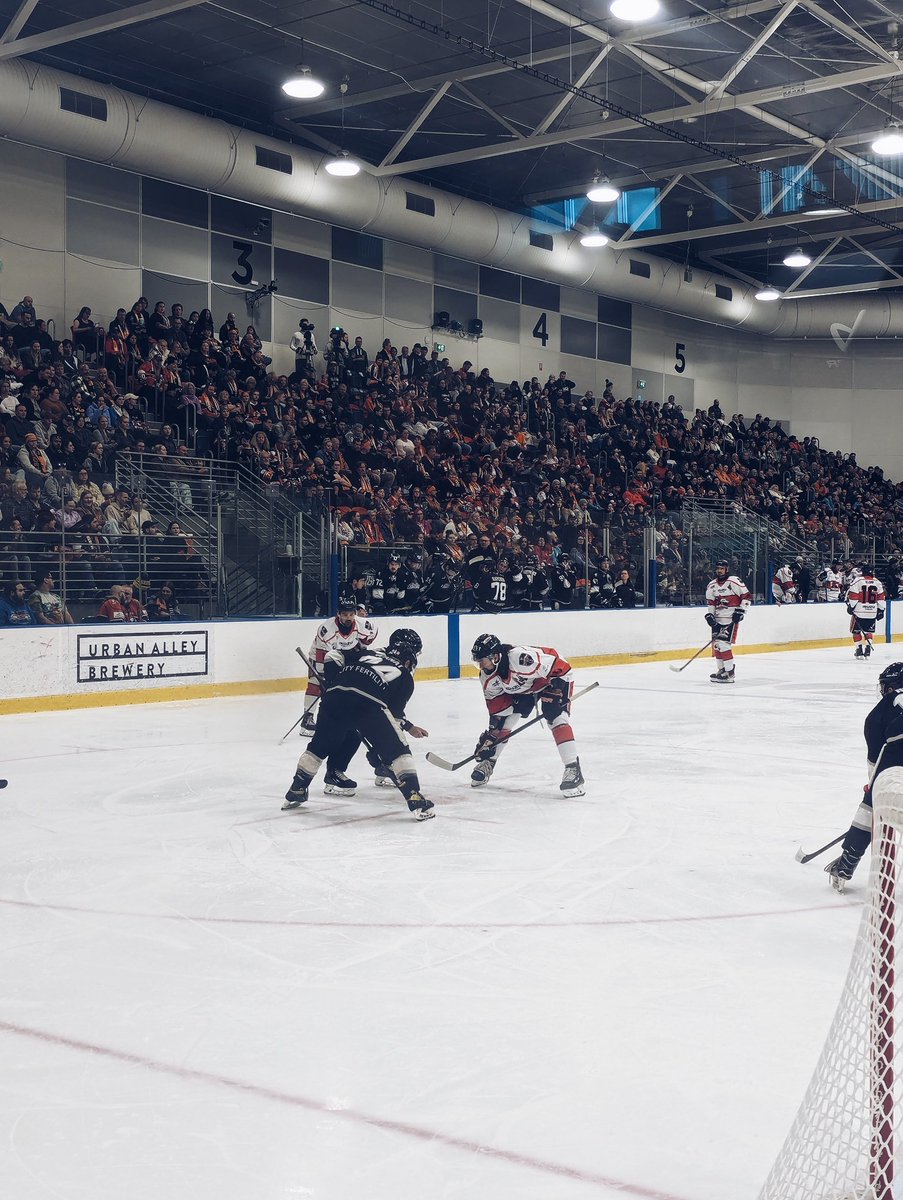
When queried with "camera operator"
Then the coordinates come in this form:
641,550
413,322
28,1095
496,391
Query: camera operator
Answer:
304,347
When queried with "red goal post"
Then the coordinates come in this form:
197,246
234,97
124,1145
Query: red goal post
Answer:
845,1141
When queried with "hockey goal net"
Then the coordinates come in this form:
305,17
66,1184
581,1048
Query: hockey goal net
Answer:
845,1143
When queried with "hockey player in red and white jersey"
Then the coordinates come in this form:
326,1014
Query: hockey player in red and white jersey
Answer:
728,599
345,631
865,604
514,679
828,583
783,585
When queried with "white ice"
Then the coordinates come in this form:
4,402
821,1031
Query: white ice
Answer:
622,995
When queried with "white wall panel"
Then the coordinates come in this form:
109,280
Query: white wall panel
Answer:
175,249
104,287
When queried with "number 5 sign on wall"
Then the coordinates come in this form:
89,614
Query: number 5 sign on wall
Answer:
680,358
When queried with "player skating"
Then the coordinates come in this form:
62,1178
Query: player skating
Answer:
345,631
514,679
367,699
865,601
884,748
728,599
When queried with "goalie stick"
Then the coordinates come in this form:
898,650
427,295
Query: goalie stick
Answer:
804,858
438,761
701,650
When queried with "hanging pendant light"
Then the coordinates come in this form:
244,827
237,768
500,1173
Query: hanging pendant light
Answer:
634,10
594,237
602,190
768,293
342,165
890,141
301,85
797,258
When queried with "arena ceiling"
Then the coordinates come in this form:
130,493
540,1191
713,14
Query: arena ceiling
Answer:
733,129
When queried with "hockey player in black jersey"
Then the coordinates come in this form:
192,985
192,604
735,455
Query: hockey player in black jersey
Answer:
413,564
563,579
368,697
442,586
602,592
536,589
884,749
390,589
491,588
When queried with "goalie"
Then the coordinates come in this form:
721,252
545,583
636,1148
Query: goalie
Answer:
884,748
514,679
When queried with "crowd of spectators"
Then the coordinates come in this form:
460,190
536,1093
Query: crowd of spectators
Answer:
407,448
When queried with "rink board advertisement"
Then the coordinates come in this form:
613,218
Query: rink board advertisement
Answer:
77,666
110,657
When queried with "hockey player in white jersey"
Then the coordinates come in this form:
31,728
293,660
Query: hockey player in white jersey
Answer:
783,585
345,631
828,583
728,599
865,604
514,679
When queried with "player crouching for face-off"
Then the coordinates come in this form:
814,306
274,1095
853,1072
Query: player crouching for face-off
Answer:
347,630
884,751
728,599
368,697
514,678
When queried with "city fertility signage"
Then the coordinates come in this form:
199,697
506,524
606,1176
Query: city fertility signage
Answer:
107,657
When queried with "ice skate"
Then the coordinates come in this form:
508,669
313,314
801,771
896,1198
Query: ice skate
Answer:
296,794
840,872
422,808
572,781
482,773
308,724
384,777
868,649
860,653
723,677
337,783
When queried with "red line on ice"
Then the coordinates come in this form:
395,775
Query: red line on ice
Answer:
317,1106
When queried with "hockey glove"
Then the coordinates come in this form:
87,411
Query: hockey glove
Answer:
737,615
710,620
851,611
879,615
487,745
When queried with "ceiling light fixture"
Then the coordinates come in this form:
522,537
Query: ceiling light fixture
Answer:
594,237
798,258
342,165
819,210
301,85
890,141
602,190
634,10
768,293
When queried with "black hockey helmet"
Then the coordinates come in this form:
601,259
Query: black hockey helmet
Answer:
414,555
405,645
406,637
891,679
864,569
486,645
347,602
394,557
723,564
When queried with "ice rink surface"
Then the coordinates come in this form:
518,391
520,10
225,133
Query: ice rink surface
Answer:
528,998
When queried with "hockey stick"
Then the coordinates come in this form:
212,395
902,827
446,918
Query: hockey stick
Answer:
298,650
701,650
438,761
804,858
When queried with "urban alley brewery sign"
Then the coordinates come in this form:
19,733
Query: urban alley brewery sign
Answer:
115,657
